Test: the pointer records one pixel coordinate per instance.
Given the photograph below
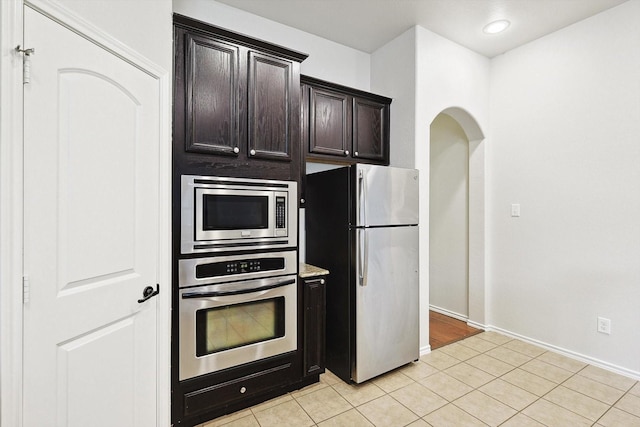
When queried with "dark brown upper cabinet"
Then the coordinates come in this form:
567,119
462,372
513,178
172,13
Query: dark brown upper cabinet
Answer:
236,104
330,124
270,89
212,96
344,125
370,130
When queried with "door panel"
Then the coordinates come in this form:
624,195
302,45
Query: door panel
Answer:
88,155
77,373
90,233
370,136
386,195
387,323
329,118
270,86
212,70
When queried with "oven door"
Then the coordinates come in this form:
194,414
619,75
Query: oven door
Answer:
229,324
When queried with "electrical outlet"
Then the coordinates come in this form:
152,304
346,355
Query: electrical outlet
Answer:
604,325
515,209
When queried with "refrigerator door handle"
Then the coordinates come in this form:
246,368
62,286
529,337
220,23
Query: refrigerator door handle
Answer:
362,178
363,252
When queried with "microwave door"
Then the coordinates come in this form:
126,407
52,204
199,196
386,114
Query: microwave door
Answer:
222,214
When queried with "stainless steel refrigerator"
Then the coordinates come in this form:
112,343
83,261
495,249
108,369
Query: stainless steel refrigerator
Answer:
362,225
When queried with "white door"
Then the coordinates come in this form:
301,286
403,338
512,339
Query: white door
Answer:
91,148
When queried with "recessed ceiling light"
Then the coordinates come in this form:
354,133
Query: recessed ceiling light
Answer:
496,26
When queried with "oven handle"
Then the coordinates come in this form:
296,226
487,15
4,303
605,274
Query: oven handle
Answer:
189,295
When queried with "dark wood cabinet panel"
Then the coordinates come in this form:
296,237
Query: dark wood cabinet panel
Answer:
236,113
206,397
345,125
236,104
314,325
270,112
370,130
236,389
212,96
330,130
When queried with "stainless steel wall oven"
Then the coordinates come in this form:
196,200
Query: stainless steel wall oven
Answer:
235,309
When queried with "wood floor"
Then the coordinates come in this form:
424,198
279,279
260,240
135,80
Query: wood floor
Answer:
445,330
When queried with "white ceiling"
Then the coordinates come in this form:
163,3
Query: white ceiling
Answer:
369,24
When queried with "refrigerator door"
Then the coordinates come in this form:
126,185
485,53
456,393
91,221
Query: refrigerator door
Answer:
385,196
387,312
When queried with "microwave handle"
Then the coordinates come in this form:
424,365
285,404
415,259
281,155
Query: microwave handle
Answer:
189,295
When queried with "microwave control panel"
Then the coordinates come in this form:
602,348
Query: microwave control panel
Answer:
227,268
281,212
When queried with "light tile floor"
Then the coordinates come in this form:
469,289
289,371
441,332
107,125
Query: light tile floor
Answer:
487,379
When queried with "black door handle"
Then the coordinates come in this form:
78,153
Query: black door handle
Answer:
148,292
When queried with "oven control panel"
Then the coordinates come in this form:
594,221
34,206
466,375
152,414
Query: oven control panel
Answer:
242,266
232,268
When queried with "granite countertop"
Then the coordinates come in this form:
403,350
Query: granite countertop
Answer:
308,270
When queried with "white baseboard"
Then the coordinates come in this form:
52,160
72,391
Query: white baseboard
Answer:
476,325
446,312
568,353
425,350
457,316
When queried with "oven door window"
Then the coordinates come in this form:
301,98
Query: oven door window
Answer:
233,212
236,325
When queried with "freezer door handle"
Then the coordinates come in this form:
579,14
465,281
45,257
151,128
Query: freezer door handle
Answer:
363,252
362,178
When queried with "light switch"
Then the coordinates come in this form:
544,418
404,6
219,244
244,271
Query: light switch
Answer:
515,209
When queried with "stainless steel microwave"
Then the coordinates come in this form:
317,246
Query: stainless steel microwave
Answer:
223,214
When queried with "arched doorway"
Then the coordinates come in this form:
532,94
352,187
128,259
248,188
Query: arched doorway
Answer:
457,216
448,218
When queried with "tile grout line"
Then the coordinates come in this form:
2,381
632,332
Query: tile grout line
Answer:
613,405
578,374
498,377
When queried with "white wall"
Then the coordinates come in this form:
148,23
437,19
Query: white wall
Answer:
448,217
143,25
565,144
327,60
393,73
428,74
448,75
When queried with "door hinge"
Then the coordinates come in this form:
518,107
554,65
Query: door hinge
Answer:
26,63
26,289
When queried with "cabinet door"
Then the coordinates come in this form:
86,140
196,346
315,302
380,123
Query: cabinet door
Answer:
270,88
212,96
314,326
304,138
370,130
330,127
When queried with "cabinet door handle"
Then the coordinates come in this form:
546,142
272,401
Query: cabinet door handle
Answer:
346,152
252,152
355,153
148,293
236,150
